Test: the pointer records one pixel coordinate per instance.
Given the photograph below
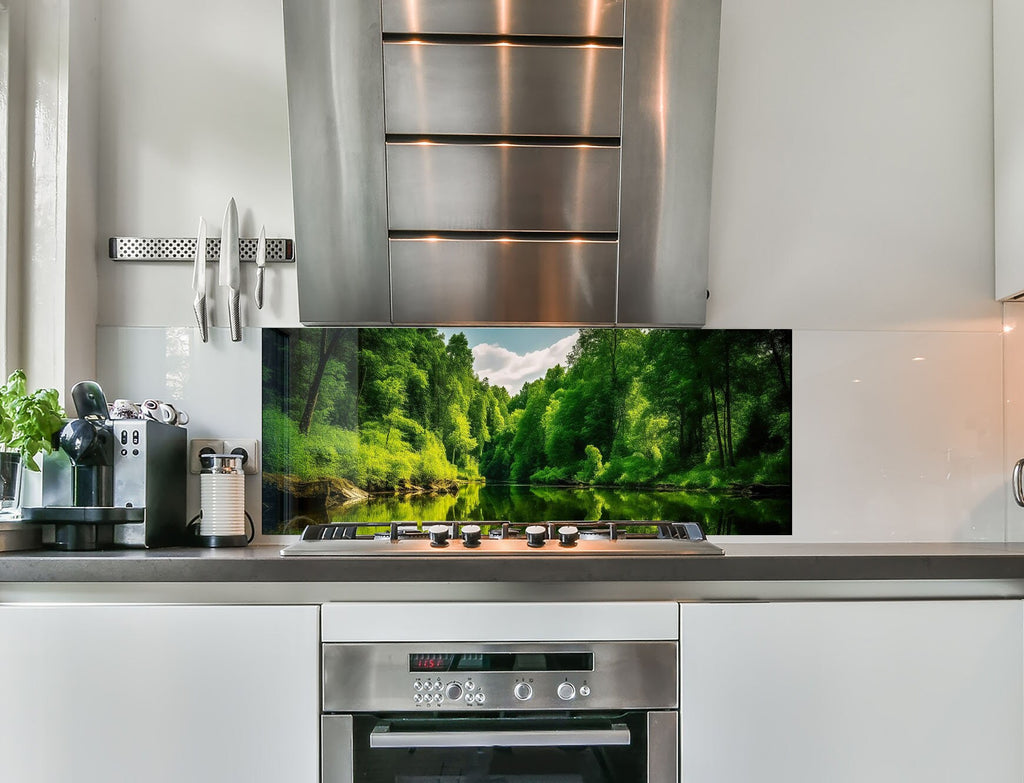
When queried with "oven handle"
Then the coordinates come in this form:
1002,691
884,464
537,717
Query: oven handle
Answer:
383,737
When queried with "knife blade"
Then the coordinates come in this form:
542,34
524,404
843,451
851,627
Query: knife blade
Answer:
261,262
199,282
229,274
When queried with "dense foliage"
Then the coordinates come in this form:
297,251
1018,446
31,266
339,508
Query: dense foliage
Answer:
381,407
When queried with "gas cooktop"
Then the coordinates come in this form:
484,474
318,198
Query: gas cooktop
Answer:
468,539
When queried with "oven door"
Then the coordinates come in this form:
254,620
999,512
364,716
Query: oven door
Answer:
630,747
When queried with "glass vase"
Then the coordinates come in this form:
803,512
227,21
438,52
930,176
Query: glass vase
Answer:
10,483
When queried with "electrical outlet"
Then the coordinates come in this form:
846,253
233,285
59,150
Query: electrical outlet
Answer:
198,446
250,451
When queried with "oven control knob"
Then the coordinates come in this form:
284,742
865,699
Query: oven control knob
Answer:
522,691
535,535
568,535
566,691
438,535
453,692
471,535
584,690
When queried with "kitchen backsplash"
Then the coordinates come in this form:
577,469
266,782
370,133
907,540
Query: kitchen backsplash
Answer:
527,425
896,436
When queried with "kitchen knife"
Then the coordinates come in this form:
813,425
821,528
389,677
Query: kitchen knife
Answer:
229,276
199,282
261,262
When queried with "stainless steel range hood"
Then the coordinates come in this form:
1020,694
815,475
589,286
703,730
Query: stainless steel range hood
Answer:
502,161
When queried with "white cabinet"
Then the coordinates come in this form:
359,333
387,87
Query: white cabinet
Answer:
886,692
1008,128
196,694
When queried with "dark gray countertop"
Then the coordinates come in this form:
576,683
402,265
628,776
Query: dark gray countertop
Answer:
742,562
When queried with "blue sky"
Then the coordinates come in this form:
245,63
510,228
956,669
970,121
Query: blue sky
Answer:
512,356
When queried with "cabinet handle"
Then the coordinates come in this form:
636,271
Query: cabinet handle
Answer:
383,737
1018,486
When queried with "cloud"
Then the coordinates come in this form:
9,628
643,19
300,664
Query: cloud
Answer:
511,370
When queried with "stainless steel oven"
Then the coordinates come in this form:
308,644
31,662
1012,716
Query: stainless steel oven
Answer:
521,712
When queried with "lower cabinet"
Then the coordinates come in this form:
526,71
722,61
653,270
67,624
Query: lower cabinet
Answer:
859,692
203,694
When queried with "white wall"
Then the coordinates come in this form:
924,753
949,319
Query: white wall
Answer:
852,203
194,112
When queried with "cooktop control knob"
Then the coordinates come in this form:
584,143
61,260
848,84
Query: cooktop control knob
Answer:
471,535
453,692
566,691
438,535
568,535
523,691
535,535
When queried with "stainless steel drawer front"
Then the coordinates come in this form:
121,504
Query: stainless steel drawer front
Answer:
596,18
376,678
502,89
479,281
502,187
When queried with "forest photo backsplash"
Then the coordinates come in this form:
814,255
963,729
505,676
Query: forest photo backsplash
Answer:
526,424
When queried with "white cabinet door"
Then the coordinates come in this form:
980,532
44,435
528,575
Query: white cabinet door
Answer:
161,694
883,692
1008,120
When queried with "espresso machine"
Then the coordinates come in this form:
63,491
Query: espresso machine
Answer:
117,482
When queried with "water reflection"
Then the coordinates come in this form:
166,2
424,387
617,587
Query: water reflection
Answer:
718,514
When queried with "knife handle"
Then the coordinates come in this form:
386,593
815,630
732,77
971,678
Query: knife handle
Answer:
235,316
258,294
199,305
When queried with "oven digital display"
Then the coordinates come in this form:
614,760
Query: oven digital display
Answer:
502,662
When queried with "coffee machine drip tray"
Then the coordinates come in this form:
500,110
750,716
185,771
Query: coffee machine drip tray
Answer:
83,528
83,515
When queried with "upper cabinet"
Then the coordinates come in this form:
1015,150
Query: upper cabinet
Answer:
1008,107
488,162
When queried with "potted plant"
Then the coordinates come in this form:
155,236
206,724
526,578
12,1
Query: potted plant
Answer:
28,423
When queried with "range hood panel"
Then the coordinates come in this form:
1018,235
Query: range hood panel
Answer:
593,18
336,127
493,187
502,90
424,133
667,151
459,282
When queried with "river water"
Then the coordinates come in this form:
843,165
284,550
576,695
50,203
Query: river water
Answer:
718,514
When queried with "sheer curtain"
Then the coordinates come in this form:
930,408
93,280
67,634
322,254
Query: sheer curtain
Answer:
5,168
48,160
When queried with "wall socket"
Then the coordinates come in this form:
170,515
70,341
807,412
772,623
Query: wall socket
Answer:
198,446
250,451
248,447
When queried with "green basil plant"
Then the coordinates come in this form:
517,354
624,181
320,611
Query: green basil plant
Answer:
28,421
